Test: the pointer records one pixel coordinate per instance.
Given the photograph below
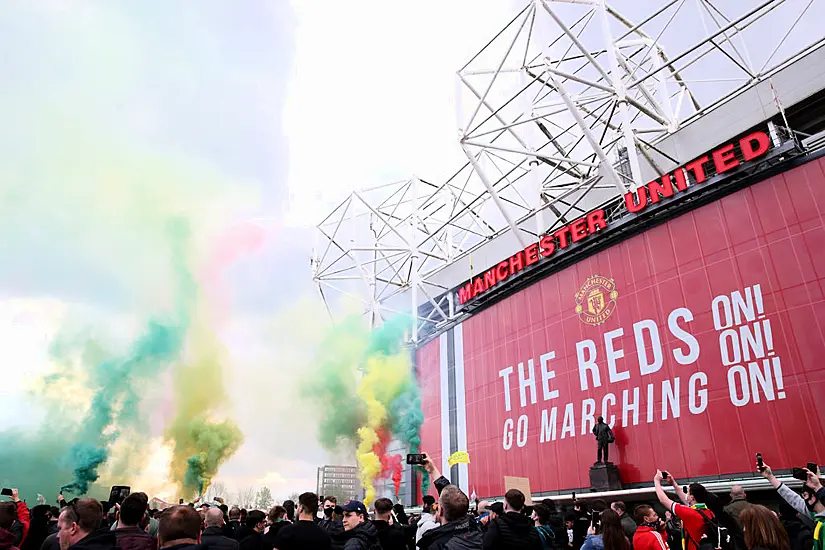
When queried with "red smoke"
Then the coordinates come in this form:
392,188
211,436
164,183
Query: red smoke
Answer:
390,464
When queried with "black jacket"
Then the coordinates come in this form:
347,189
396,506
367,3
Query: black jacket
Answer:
249,539
335,530
362,537
268,538
51,543
213,538
464,533
391,537
512,531
800,536
231,529
185,547
602,432
99,540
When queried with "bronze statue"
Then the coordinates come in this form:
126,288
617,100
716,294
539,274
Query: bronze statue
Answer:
604,437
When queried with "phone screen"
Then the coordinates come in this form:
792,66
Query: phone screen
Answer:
812,467
799,473
415,458
118,493
6,492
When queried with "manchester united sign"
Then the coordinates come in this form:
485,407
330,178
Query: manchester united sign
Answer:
596,300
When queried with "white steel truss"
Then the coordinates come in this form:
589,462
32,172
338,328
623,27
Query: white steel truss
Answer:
562,110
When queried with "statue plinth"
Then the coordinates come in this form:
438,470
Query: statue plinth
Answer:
604,476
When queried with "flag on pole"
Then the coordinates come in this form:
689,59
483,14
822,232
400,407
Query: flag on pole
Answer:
473,495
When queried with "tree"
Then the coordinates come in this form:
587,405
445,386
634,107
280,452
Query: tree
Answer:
263,500
215,490
294,497
246,497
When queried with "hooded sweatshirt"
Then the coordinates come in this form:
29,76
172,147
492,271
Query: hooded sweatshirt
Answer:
425,523
512,531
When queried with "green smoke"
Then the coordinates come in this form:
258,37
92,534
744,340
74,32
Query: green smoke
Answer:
219,441
61,450
407,417
331,382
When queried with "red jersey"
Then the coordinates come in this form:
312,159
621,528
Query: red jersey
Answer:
693,525
646,538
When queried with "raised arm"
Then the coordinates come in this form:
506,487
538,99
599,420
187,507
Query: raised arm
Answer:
438,480
660,493
787,494
680,494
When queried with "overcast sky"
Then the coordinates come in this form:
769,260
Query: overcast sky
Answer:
282,107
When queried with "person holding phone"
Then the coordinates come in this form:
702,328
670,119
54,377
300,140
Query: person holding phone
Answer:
19,527
9,513
810,504
608,535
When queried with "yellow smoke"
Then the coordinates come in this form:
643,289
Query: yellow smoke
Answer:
382,380
199,428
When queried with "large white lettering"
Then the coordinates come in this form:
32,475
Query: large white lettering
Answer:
505,374
752,367
521,439
508,434
698,401
613,354
587,364
655,363
527,382
569,420
548,425
588,415
547,375
692,343
629,406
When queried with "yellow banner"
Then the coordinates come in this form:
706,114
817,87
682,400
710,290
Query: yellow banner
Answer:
459,457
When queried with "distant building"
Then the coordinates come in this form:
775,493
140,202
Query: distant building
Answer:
341,482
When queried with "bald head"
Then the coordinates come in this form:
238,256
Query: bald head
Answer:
214,517
483,506
737,492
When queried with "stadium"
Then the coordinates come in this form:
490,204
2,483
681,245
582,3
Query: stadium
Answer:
637,233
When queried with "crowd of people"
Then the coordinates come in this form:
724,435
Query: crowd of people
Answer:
695,520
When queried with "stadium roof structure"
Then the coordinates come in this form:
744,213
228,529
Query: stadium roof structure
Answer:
572,104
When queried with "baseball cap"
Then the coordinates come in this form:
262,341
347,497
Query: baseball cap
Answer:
355,506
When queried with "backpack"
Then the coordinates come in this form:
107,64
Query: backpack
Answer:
716,537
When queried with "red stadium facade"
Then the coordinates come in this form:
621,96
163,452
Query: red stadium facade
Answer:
699,337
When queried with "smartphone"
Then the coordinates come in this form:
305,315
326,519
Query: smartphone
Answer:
665,475
118,493
800,474
574,496
759,464
594,521
6,492
416,458
812,466
180,501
